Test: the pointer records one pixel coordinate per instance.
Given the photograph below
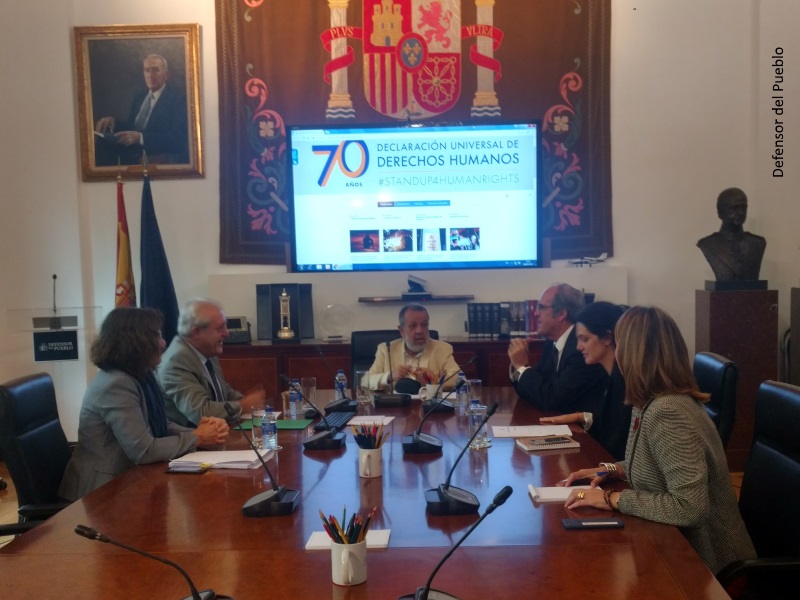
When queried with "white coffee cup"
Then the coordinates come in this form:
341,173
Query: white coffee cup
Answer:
370,462
349,563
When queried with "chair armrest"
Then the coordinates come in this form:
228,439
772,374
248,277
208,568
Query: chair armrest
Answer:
17,528
757,566
40,512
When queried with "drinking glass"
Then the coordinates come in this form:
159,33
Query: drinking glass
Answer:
361,387
258,413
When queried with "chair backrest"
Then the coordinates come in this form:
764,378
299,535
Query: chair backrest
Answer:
35,448
364,345
771,482
718,376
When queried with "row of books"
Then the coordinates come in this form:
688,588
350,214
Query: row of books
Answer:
501,320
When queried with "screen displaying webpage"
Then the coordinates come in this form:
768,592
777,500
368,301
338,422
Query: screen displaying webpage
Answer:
398,198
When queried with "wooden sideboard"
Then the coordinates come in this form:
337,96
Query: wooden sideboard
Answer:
261,363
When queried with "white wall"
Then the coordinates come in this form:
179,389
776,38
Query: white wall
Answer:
690,96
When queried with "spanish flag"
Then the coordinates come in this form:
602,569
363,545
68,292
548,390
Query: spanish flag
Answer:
125,294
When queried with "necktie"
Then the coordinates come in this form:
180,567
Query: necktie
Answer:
144,112
555,356
214,381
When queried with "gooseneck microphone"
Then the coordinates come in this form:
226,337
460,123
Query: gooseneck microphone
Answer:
425,592
93,534
343,404
331,439
276,502
450,500
392,399
425,443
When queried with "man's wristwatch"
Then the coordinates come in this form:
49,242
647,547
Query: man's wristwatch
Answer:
515,375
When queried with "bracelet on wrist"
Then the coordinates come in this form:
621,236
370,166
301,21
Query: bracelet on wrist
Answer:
607,498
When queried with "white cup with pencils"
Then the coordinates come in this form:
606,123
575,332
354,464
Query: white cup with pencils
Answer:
348,547
370,439
370,462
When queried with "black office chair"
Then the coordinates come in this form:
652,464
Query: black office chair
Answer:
35,448
768,498
364,345
718,376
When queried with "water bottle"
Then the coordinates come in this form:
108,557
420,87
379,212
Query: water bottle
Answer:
462,395
340,384
269,430
295,401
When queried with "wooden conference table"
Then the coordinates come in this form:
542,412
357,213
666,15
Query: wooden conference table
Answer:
196,521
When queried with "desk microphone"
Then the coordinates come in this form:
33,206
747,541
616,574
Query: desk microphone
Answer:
324,440
446,407
425,443
423,592
343,404
276,502
93,534
450,500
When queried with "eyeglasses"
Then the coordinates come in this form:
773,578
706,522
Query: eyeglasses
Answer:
541,307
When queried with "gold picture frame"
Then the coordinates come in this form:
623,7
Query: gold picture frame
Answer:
116,66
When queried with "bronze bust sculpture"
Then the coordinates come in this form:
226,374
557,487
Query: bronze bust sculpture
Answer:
734,254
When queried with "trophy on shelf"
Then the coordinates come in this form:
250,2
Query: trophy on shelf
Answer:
285,332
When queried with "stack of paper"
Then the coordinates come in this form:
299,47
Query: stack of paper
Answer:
516,431
226,459
376,538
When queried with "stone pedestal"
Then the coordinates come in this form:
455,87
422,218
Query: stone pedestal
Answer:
742,325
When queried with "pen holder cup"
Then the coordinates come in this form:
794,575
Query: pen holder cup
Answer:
430,391
370,462
349,563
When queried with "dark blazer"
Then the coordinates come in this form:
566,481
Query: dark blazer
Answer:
166,137
611,419
575,386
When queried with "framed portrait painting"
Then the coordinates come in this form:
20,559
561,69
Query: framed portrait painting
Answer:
139,100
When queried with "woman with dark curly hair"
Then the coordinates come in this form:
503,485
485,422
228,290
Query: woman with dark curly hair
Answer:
122,419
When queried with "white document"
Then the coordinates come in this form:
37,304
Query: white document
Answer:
518,431
376,538
224,459
554,494
371,420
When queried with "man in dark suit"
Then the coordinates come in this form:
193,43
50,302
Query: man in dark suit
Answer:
561,380
157,123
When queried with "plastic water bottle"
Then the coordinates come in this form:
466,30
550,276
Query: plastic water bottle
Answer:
295,401
340,384
462,395
269,430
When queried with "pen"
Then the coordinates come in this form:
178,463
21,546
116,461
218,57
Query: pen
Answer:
601,473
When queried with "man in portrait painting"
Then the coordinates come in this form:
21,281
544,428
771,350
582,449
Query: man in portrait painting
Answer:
155,124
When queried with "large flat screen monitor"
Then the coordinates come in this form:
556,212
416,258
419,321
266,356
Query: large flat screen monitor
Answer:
407,197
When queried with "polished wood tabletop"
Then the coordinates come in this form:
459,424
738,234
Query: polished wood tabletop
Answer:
196,521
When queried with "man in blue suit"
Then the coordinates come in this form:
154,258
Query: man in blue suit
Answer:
157,123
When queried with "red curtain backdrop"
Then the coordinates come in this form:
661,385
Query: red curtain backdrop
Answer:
318,61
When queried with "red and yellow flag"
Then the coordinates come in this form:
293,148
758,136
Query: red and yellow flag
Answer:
125,294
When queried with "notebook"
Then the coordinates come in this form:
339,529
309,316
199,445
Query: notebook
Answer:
547,442
554,494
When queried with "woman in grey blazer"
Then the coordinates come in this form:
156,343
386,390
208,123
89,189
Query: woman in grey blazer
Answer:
674,460
122,419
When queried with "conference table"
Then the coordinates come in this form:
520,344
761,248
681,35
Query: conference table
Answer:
521,549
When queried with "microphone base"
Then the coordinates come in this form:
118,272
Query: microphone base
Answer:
451,501
272,503
432,595
343,405
325,440
445,407
206,595
392,400
421,443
